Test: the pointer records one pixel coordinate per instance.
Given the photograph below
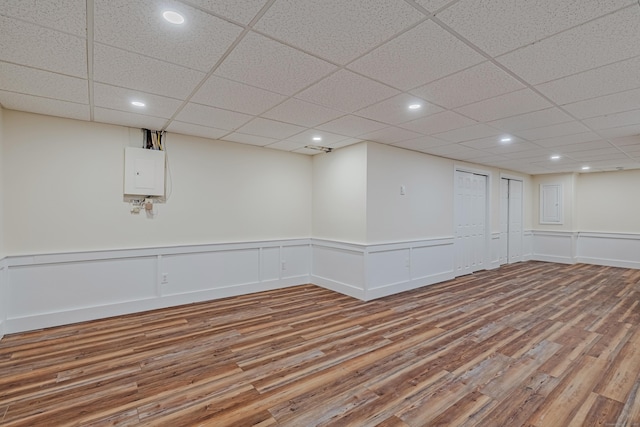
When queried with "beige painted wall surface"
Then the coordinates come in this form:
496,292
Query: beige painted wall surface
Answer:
2,169
426,209
64,190
609,202
568,181
340,195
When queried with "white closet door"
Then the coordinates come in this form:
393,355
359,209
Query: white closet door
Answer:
504,221
515,220
470,222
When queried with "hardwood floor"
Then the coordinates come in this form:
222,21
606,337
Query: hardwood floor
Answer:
531,344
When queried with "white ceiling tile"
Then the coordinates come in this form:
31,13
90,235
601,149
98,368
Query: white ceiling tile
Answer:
121,118
631,149
230,95
421,144
514,147
28,44
196,130
249,139
451,150
432,5
621,131
120,68
609,104
626,140
242,11
396,110
351,126
605,80
498,26
30,81
346,91
336,30
302,113
601,154
569,139
306,137
626,118
345,143
474,84
287,145
117,98
62,15
510,104
489,142
553,131
267,64
139,27
390,135
603,41
467,133
212,117
437,123
270,128
540,118
470,154
50,107
421,55
583,146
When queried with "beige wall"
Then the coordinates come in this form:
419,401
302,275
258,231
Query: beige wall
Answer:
426,209
570,210
609,201
2,169
64,190
340,195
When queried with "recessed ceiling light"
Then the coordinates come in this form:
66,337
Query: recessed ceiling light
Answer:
414,106
317,138
137,104
173,17
556,157
507,139
586,168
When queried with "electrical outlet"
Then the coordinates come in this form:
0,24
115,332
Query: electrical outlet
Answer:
284,265
165,277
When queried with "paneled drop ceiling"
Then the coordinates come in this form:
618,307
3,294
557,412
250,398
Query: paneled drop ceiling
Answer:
556,77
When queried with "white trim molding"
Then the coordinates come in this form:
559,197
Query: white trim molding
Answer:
611,249
554,246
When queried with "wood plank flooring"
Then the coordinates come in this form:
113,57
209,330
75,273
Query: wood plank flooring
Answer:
529,344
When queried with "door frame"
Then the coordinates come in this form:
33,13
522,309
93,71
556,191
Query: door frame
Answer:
487,203
521,179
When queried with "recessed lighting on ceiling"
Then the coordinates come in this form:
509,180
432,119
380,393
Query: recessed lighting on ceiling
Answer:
415,106
317,138
173,17
586,168
137,103
506,139
556,157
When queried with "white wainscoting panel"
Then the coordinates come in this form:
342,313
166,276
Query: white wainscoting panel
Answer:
56,289
339,267
399,267
612,249
554,246
527,245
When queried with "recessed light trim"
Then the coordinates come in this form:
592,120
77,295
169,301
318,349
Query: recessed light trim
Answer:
317,138
555,157
138,103
415,106
586,168
505,139
173,17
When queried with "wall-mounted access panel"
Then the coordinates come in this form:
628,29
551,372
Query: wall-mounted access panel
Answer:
143,172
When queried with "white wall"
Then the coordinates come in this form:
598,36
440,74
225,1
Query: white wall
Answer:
426,209
3,287
340,195
64,190
609,202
